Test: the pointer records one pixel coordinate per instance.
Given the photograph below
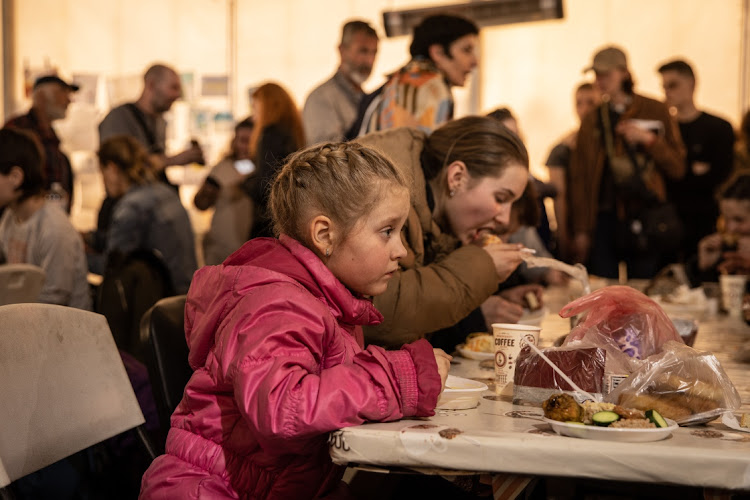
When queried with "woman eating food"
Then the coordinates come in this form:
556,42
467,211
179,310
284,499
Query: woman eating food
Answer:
463,180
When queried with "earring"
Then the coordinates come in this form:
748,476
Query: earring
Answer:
328,252
452,193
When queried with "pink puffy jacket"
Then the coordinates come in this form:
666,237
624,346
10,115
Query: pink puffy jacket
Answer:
276,344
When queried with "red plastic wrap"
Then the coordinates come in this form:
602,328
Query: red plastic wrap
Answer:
623,316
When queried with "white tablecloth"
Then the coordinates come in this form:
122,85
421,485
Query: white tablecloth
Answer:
498,437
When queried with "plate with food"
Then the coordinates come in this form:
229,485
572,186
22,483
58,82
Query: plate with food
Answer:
605,421
479,346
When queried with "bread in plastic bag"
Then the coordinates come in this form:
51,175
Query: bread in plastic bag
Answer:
681,383
625,316
535,381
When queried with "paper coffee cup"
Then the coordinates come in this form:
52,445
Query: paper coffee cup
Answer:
732,293
509,340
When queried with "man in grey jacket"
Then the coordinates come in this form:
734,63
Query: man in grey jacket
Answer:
331,109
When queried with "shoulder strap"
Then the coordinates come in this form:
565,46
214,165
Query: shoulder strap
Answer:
607,127
150,135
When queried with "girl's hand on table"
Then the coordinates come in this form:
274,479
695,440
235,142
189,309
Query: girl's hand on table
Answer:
443,361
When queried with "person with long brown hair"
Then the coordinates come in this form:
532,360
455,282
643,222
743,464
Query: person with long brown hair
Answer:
278,132
464,178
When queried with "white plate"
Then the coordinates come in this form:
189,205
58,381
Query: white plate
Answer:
612,433
460,394
468,353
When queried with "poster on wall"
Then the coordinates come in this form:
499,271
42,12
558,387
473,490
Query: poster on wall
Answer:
188,86
215,86
89,84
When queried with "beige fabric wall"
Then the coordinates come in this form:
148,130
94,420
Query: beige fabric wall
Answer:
533,68
530,67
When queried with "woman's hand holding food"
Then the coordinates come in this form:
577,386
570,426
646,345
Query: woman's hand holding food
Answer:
499,310
506,257
443,361
709,251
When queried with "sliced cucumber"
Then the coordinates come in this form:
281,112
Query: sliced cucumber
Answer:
604,418
655,417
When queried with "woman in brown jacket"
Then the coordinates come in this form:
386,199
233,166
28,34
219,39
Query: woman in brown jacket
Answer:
640,130
463,177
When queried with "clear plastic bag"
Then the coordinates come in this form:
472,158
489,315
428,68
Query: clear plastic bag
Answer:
681,383
621,316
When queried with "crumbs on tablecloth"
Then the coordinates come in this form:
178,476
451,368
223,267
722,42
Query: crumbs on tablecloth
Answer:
450,433
420,426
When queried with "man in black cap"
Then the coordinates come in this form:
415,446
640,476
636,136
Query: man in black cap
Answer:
49,102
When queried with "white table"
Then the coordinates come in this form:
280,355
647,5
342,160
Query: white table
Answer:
499,437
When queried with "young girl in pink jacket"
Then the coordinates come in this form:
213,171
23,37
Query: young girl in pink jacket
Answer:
275,337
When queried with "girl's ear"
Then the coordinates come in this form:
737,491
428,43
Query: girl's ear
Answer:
321,235
458,175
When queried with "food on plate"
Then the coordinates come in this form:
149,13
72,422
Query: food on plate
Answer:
745,420
535,380
675,397
655,417
480,342
591,407
604,418
633,423
563,407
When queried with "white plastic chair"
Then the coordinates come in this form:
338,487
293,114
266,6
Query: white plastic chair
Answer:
63,386
20,283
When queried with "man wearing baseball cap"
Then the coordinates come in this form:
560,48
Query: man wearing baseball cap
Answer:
625,150
49,102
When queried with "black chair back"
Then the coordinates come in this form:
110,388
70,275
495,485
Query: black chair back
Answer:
131,285
166,356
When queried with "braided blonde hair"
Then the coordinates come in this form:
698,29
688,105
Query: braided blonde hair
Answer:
340,180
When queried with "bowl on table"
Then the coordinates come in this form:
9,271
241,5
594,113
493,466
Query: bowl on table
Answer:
460,394
687,328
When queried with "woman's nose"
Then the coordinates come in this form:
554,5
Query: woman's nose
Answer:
503,214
